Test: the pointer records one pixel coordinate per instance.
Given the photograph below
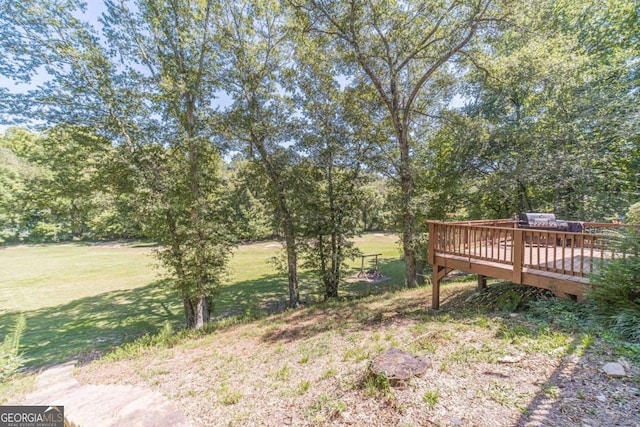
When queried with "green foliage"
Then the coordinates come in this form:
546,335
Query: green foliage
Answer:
509,301
57,187
548,112
10,357
165,338
261,121
303,387
564,314
430,398
397,53
626,323
633,214
341,117
158,123
228,396
616,287
376,384
250,214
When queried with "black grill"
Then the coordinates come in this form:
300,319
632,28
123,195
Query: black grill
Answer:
542,221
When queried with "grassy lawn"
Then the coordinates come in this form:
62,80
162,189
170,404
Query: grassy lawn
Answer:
491,365
254,283
80,299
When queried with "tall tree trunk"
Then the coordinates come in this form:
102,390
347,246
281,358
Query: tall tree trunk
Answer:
197,311
287,221
292,263
408,215
331,285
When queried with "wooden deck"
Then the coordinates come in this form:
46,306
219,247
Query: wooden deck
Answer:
558,261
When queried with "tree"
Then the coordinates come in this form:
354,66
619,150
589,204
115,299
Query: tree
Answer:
73,156
401,48
58,185
253,215
556,115
260,117
333,156
147,83
16,172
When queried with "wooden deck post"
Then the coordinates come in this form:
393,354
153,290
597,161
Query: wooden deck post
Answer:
518,255
435,289
432,242
482,282
435,280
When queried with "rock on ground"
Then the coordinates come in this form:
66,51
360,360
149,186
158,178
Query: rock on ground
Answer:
614,369
398,365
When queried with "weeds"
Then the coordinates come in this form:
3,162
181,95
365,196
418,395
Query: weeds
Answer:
502,393
284,373
329,373
163,339
430,397
303,387
376,384
10,359
357,354
325,407
227,396
424,344
551,390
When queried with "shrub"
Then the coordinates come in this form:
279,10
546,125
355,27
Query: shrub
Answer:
616,290
633,214
46,232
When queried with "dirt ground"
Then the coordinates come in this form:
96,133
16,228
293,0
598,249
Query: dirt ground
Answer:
309,367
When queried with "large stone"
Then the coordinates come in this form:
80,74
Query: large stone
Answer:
397,365
614,369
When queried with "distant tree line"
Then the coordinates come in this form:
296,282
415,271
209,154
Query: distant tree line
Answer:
59,185
200,124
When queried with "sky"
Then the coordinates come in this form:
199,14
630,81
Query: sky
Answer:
94,9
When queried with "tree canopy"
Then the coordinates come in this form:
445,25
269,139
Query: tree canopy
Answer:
203,123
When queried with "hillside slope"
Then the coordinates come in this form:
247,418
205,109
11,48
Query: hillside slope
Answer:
309,366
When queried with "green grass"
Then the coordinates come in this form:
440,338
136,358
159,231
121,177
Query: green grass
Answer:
35,277
430,398
254,284
80,298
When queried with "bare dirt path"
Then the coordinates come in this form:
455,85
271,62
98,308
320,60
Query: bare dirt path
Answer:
89,405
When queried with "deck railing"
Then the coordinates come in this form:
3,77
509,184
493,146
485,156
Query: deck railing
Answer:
498,241
473,241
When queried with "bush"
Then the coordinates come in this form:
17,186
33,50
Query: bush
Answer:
10,358
616,288
46,232
633,214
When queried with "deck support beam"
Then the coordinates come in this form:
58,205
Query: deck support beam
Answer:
439,273
482,282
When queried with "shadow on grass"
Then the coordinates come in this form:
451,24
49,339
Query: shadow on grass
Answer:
269,294
355,313
88,327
